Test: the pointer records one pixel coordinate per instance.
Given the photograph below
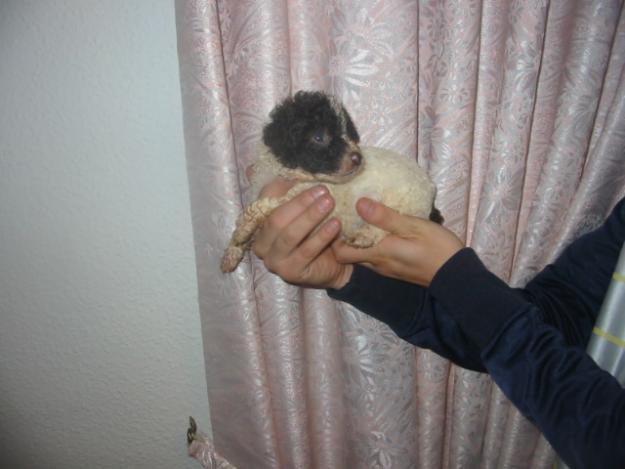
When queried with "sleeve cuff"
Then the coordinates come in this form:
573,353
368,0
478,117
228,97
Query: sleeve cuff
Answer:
351,289
391,301
476,298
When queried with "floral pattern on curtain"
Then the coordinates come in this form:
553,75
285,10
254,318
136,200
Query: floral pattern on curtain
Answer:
517,110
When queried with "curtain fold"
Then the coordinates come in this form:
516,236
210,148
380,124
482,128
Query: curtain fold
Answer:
579,89
517,111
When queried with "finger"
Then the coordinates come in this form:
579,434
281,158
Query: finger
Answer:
302,226
386,218
285,215
276,188
292,209
316,243
350,255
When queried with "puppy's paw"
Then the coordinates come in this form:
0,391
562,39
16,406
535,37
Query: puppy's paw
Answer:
359,242
364,237
231,259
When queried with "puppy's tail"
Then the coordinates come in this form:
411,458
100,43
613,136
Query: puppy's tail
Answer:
232,258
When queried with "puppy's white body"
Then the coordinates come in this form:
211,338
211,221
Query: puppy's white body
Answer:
387,177
390,178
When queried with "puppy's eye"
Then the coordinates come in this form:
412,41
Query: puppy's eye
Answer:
320,136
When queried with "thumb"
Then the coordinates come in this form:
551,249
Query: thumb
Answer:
276,188
345,254
383,217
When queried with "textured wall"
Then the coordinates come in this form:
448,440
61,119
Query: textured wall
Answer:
100,349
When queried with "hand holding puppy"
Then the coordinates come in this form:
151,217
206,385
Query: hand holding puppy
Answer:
413,252
289,245
291,248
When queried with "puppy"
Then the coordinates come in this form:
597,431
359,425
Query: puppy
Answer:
312,139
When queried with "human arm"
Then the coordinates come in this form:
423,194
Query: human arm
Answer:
570,291
412,313
577,406
532,341
394,292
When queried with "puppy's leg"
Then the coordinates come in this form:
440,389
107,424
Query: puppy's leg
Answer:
247,224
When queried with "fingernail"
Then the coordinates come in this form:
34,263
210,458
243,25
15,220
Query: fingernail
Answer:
319,191
324,204
332,226
366,207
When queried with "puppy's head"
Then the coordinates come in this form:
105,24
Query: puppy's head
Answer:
313,132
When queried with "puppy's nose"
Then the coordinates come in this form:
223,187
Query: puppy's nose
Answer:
356,158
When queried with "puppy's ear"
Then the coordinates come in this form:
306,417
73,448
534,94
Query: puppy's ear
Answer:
281,132
352,133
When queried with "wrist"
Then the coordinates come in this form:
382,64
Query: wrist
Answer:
344,276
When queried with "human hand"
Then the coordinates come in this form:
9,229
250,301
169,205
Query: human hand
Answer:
414,250
289,245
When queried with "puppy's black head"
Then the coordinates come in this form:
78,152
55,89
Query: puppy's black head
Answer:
313,131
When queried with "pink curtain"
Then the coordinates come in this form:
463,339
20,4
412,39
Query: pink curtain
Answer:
516,109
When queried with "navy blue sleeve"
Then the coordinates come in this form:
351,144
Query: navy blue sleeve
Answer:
565,295
533,341
569,292
411,312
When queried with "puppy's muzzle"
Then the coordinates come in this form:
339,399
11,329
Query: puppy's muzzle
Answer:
352,161
356,158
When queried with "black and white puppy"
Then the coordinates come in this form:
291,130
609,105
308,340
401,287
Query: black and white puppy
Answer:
312,139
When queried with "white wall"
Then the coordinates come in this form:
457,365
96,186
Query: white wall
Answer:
100,349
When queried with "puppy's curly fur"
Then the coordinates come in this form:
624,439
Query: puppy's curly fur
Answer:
312,139
311,131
